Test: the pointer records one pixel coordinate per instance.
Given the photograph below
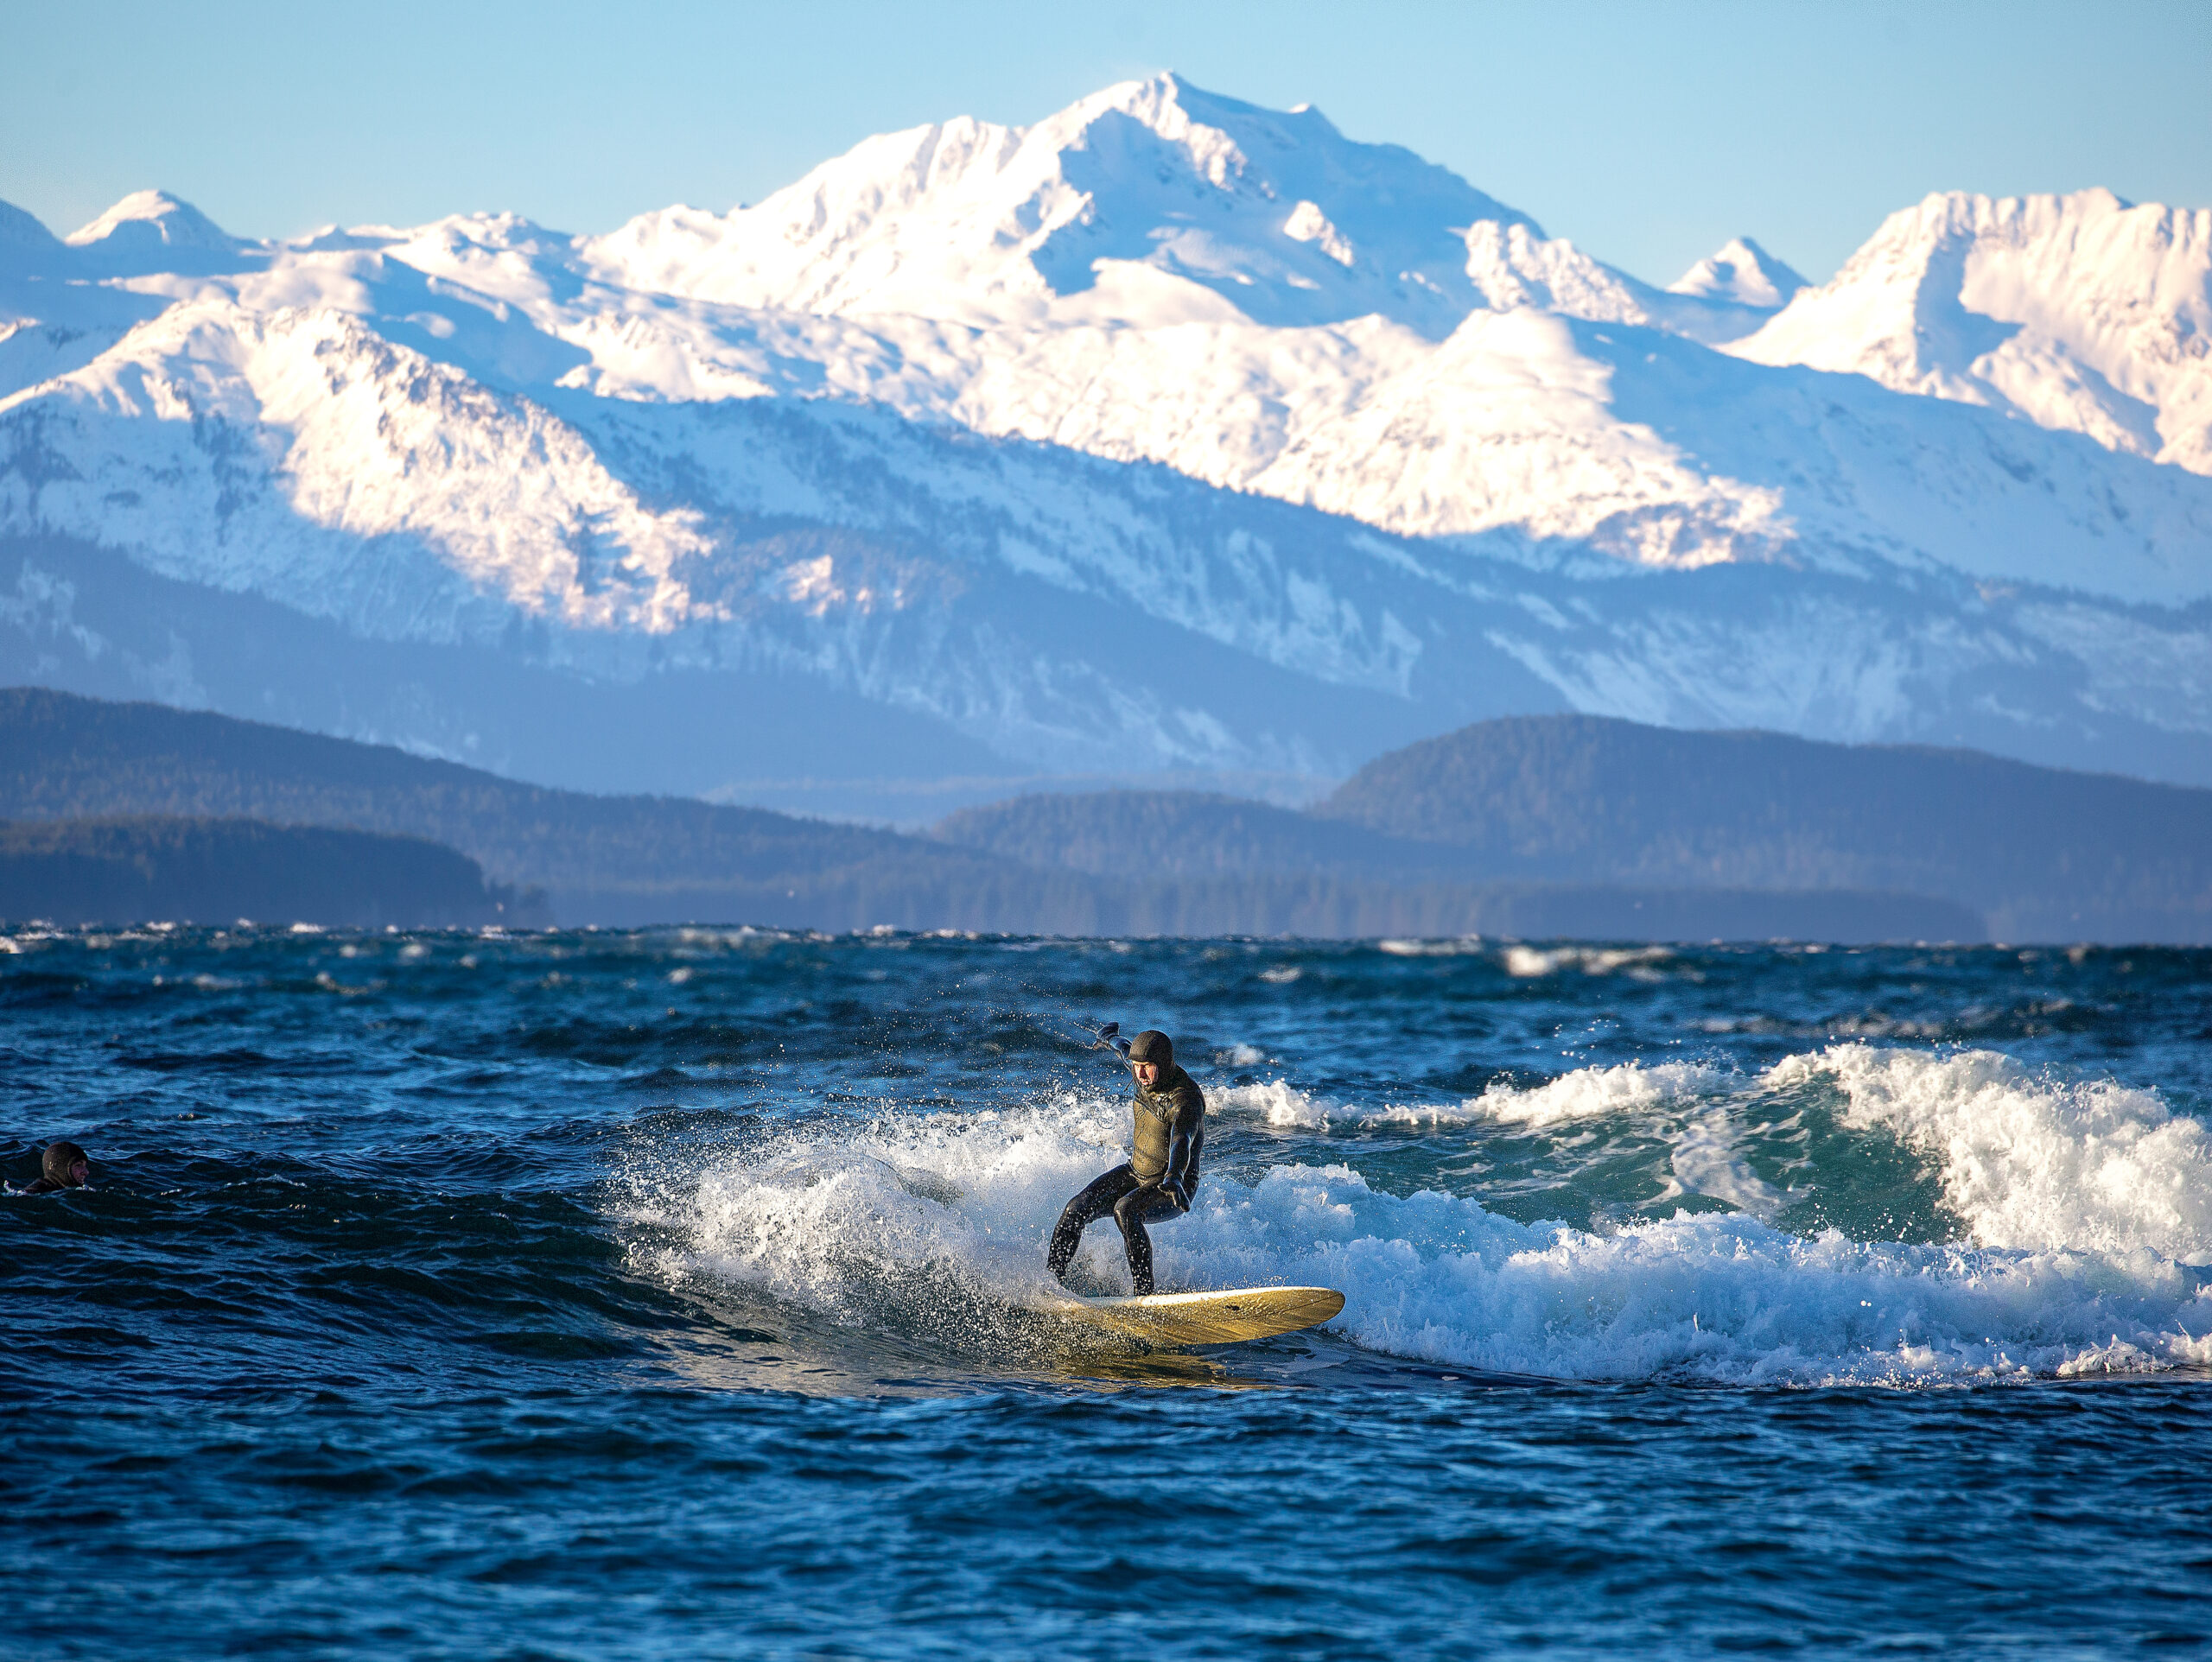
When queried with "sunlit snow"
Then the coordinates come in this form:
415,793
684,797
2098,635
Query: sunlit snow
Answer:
1321,404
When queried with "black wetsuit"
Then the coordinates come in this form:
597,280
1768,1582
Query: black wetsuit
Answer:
1156,1182
58,1169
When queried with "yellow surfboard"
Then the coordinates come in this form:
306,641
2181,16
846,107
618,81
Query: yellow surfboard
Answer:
1227,1318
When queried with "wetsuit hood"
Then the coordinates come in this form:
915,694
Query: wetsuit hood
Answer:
56,1162
1153,1045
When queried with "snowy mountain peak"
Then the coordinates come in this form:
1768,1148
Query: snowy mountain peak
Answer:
170,220
1222,136
913,432
150,231
1744,272
2082,312
1152,201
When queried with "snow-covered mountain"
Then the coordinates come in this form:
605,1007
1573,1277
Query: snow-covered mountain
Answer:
1168,437
1743,272
2084,314
1151,203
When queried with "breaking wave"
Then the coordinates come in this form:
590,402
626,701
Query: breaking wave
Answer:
2085,1213
2032,1163
1584,1094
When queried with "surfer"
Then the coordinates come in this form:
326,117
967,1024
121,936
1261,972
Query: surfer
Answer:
64,1167
1156,1182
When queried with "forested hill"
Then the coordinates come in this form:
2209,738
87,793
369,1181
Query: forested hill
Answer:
2038,854
2043,853
612,860
1148,835
228,871
1486,828
1166,865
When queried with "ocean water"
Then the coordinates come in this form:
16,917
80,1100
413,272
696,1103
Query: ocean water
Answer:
675,1293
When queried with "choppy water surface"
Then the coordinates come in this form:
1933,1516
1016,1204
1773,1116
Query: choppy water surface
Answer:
673,1294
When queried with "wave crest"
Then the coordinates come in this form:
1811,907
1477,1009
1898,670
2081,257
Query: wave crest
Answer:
2087,1202
2031,1161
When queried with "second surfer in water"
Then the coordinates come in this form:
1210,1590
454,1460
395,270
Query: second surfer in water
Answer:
1157,1180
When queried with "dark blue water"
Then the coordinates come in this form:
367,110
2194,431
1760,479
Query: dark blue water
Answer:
679,1294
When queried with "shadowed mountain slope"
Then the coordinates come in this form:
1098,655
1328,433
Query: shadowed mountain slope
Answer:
602,858
1186,834
2040,854
2045,853
226,870
644,860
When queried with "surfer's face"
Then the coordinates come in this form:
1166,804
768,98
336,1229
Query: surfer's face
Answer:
1148,1074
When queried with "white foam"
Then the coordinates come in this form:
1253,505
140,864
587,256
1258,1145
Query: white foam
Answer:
1531,962
1276,1103
2033,1162
1587,1091
1707,1159
930,1219
844,1221
1724,1296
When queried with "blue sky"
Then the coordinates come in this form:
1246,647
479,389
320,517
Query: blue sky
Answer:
1649,133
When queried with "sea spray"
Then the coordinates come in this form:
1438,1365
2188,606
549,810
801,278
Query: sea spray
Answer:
2032,1161
829,1222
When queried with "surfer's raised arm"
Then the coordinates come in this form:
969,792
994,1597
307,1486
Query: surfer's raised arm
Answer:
1161,1173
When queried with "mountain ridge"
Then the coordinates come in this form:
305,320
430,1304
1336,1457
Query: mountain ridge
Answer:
2081,312
67,764
971,222
1351,512
227,871
2042,855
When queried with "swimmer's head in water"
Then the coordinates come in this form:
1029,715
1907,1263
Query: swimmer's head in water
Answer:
65,1164
1155,1046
